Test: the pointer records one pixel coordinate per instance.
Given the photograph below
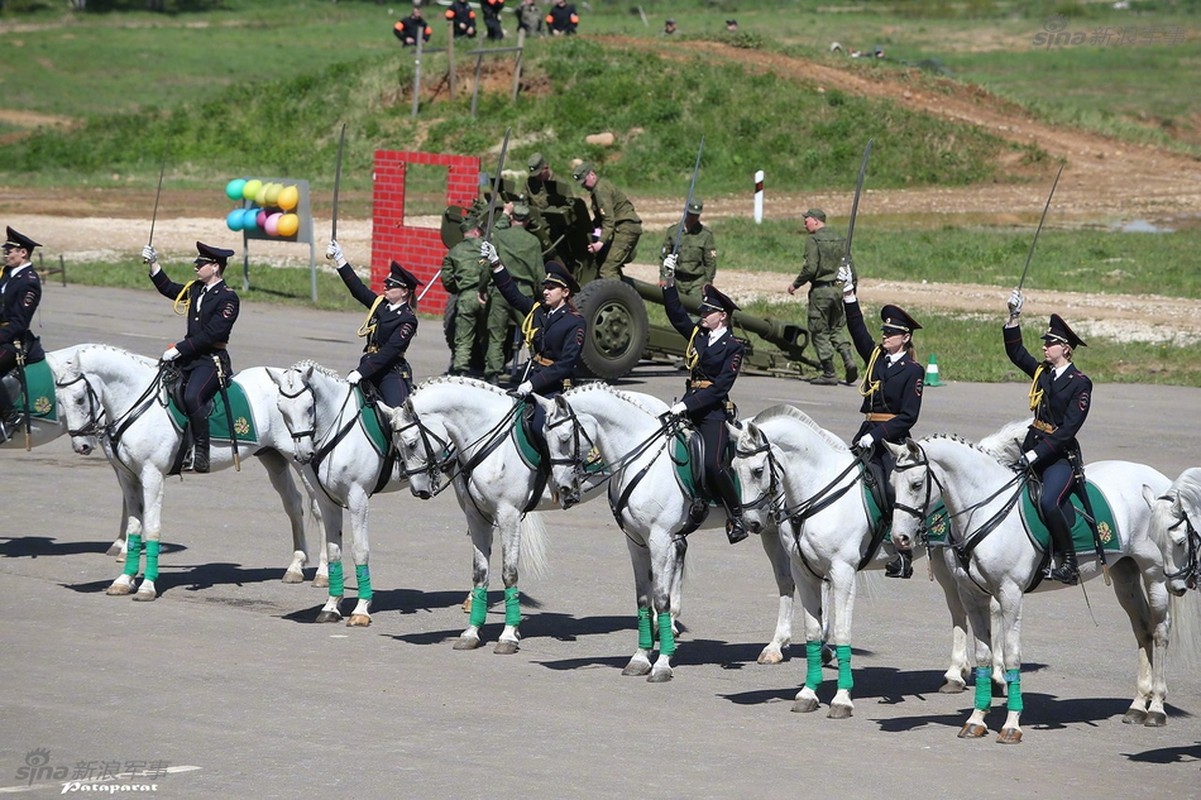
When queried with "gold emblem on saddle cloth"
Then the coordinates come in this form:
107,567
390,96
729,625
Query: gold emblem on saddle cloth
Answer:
1104,532
42,405
241,426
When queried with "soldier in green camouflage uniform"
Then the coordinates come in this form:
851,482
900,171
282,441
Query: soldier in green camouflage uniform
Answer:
521,253
696,260
462,274
612,212
544,192
824,252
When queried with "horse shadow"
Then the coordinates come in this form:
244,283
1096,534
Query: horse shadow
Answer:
402,601
1168,755
39,546
692,652
193,577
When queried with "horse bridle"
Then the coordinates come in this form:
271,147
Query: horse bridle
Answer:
773,495
579,460
1189,572
95,425
440,456
312,429
919,512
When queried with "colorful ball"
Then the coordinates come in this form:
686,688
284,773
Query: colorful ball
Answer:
260,197
233,189
250,219
272,225
260,218
289,196
272,193
288,225
234,220
251,189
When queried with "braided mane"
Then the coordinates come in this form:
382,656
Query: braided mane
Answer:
599,386
1188,487
306,363
461,380
792,412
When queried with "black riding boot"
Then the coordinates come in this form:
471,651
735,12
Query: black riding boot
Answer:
901,566
10,417
848,362
200,441
827,378
735,527
1061,537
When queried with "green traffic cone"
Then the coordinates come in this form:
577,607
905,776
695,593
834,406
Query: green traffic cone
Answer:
932,378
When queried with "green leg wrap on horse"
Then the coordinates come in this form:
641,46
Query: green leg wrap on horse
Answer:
152,548
335,579
667,639
844,667
362,574
479,605
133,555
1013,678
512,606
983,688
645,642
813,665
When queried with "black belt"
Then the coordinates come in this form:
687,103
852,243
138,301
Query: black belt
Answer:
822,284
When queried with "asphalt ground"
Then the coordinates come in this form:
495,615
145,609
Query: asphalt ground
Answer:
224,687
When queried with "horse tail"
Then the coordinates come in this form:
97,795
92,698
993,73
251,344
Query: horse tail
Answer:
1185,649
533,546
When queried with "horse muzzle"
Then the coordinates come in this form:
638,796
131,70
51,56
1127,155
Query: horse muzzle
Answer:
83,447
569,498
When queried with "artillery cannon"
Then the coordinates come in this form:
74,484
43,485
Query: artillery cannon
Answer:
619,333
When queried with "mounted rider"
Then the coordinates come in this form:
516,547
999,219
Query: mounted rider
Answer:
211,307
892,392
713,358
1060,397
20,294
388,330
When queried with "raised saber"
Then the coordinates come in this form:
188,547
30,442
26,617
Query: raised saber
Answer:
867,153
333,225
1039,229
157,194
696,170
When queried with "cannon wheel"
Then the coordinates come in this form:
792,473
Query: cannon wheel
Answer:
616,328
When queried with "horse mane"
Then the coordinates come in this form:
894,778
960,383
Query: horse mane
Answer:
305,363
1006,444
600,386
1188,488
792,412
461,380
955,437
121,351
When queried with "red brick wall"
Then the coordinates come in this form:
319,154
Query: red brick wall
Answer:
420,250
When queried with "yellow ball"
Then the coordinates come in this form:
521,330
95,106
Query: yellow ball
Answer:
251,189
288,197
288,225
272,193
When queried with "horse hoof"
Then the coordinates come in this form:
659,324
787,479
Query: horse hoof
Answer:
467,643
115,551
636,669
321,582
144,597
118,589
839,712
805,705
1010,736
329,616
293,577
829,657
659,676
1156,719
973,730
358,621
1134,716
952,687
771,657
505,647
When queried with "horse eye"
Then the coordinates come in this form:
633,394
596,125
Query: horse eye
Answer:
757,472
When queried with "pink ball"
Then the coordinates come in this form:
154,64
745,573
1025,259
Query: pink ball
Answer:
261,218
272,224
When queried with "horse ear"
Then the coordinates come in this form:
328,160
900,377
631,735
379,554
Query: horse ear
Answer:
1149,497
561,403
274,375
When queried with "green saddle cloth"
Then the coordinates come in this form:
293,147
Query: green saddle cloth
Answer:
1082,535
244,427
372,425
938,521
42,401
682,458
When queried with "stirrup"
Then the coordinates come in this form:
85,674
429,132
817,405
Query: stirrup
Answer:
735,530
901,566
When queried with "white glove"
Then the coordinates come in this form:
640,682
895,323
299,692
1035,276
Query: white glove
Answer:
669,264
489,254
524,388
846,278
865,441
1016,300
334,253
170,354
678,410
1030,456
149,254
354,377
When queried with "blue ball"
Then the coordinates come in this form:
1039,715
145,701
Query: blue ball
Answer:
233,189
249,223
234,220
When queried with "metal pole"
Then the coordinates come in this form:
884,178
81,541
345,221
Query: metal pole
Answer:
517,67
417,75
475,88
450,50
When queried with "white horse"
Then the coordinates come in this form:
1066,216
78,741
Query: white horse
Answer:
140,439
648,502
45,429
460,432
1175,518
803,480
345,455
993,558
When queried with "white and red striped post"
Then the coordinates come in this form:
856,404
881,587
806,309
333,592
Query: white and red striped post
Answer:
758,196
